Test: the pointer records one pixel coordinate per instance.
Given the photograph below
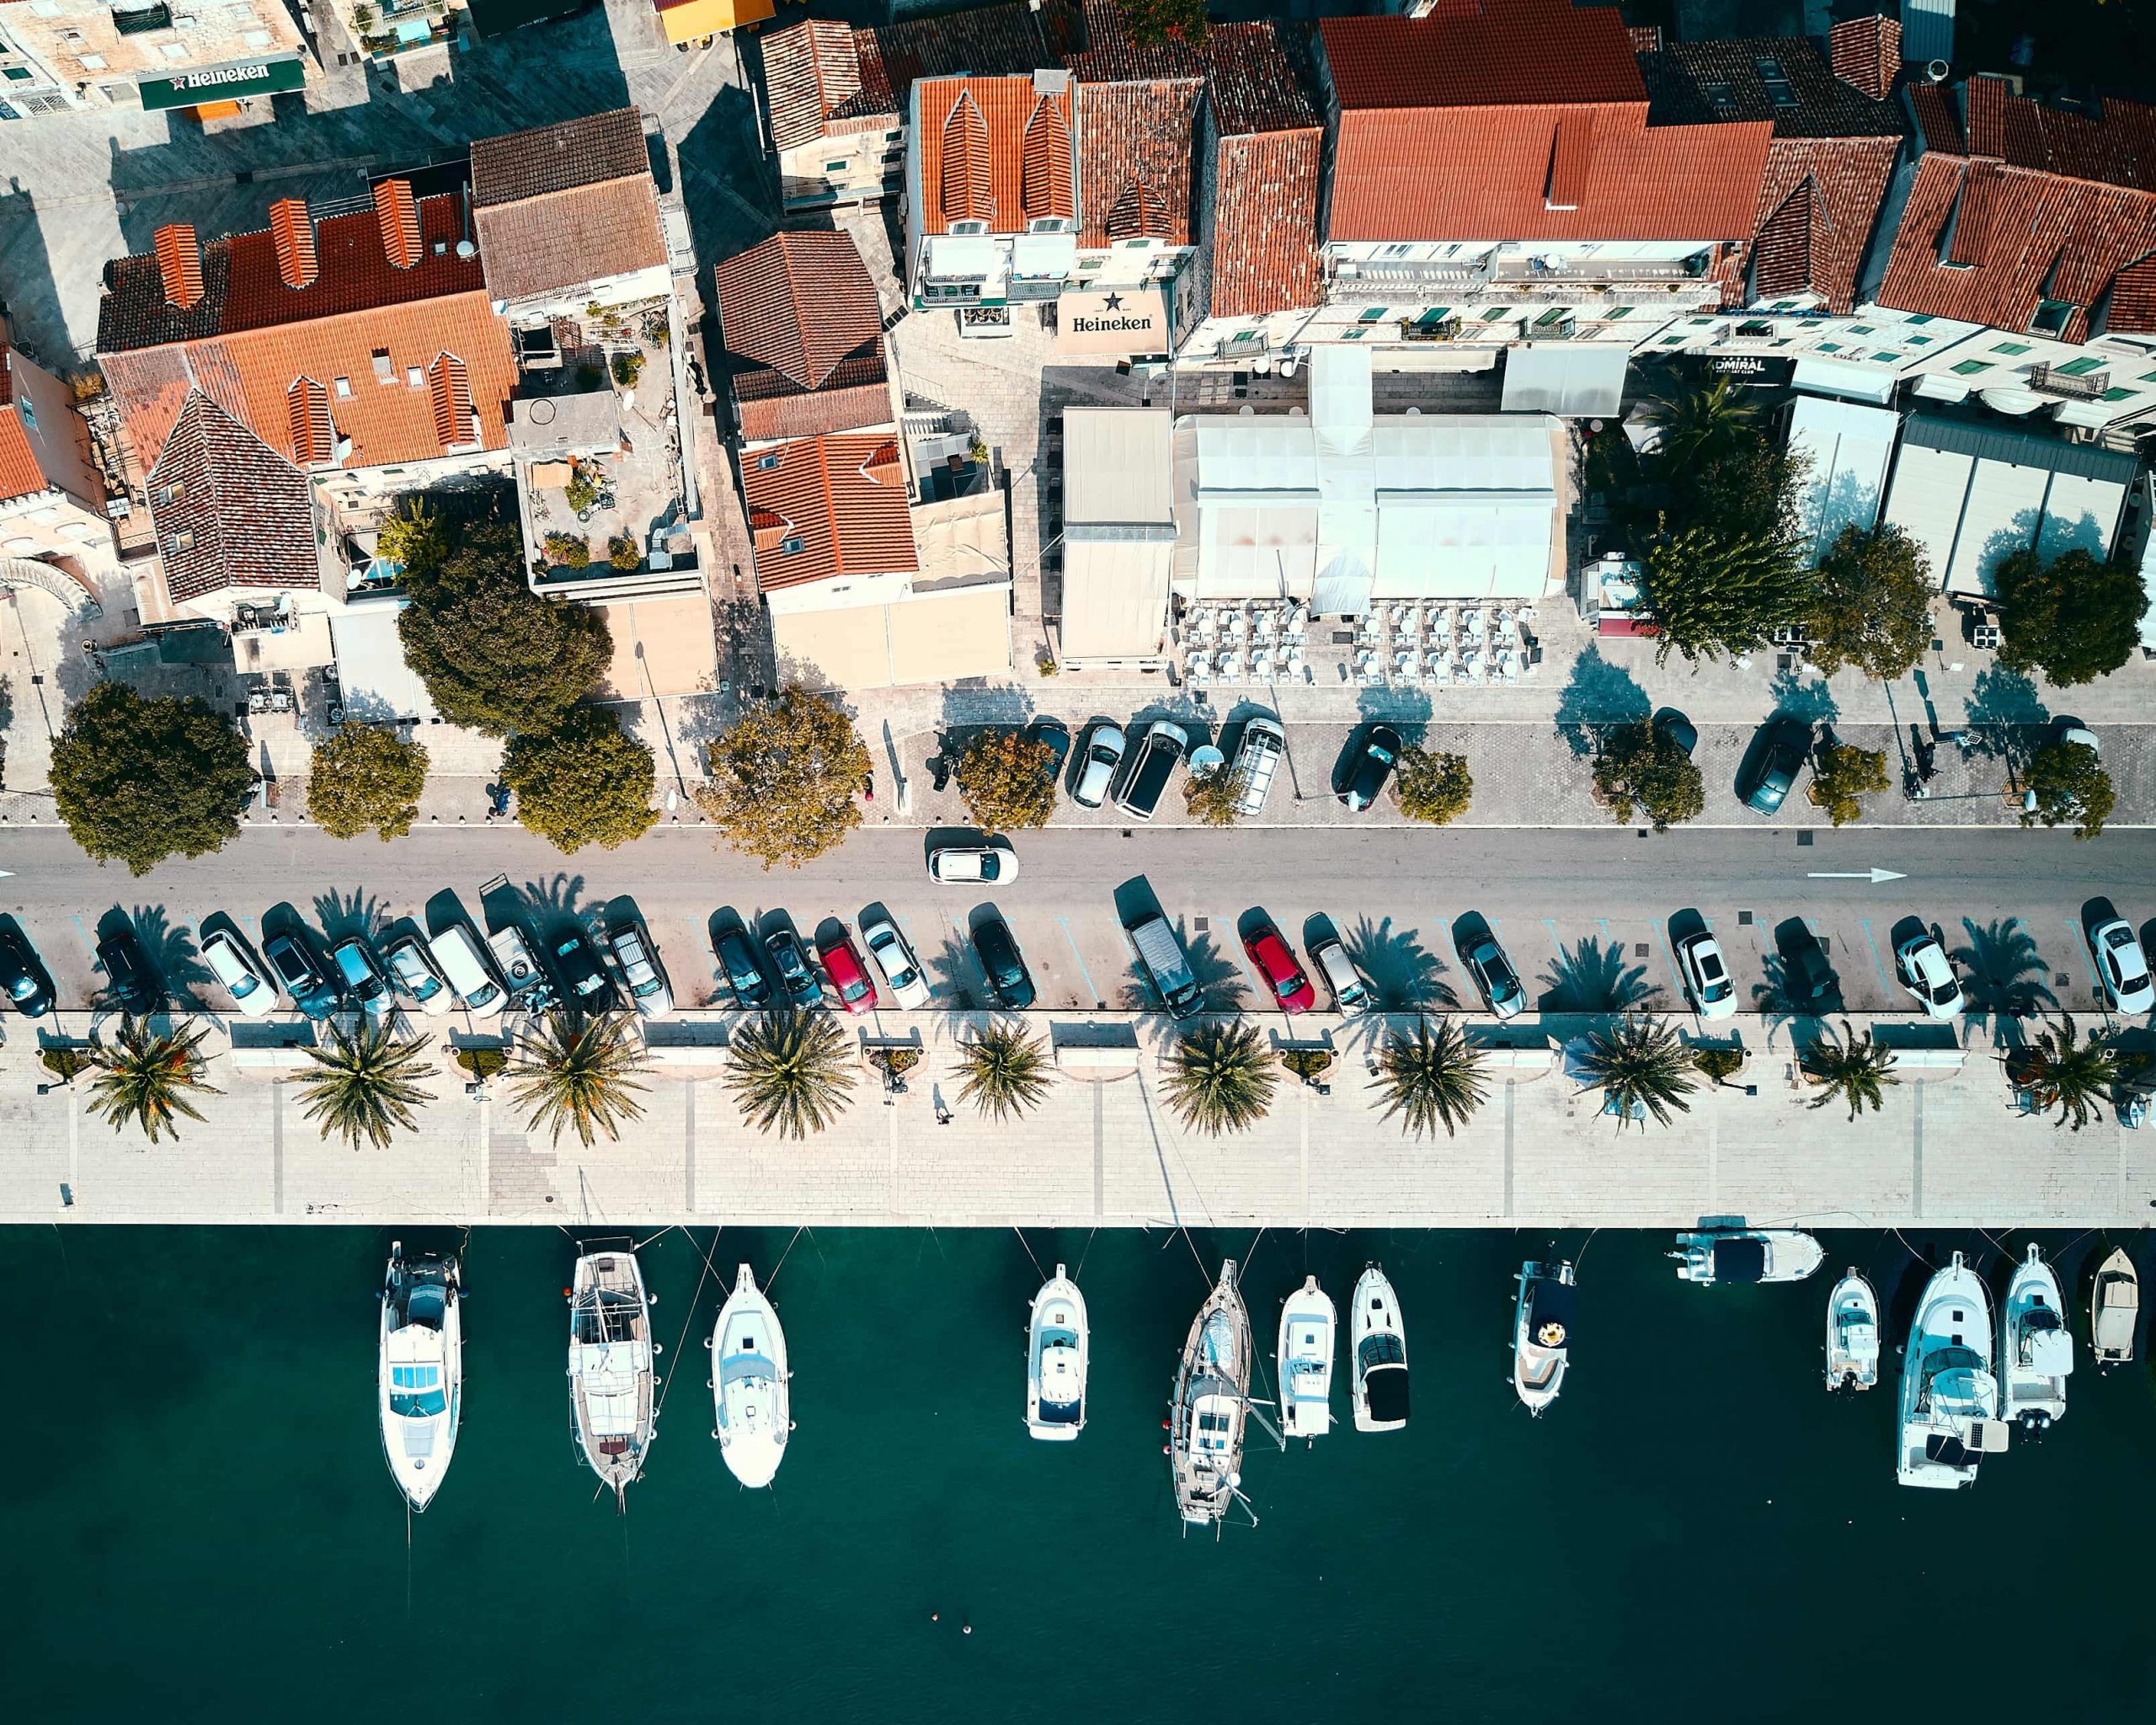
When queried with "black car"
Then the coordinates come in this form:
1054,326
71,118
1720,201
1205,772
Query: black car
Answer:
1673,727
1811,979
797,976
302,976
22,976
128,976
1777,758
737,958
1002,964
1055,736
583,973
1372,768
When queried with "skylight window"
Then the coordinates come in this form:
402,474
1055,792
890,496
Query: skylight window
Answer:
1776,81
790,547
1719,92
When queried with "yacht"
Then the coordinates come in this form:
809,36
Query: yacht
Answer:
1852,1333
610,1373
1948,1416
1742,1254
1542,1331
1380,1347
1057,1342
2036,1348
2114,1309
1307,1325
420,1374
1212,1400
749,1377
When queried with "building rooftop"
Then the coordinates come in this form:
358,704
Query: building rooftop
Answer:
799,303
1483,54
1818,203
229,510
996,150
827,506
1783,79
1134,141
557,159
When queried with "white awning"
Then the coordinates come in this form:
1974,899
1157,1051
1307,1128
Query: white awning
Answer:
1845,378
1849,446
1044,255
1576,380
1115,599
377,685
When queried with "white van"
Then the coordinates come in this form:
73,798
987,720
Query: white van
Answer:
1257,759
457,956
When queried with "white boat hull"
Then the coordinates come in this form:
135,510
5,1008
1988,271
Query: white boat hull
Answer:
1378,1344
1308,1325
1541,1340
2035,1347
612,1376
420,1373
1210,1405
749,1396
1058,1343
1949,1413
1746,1255
2114,1310
1852,1334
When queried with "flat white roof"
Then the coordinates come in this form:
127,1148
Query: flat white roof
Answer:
377,685
1117,466
1849,446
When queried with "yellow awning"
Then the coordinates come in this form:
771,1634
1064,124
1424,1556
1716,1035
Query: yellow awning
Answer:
694,18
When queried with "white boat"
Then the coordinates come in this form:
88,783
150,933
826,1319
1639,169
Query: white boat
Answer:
1542,1331
748,1379
420,1370
1740,1254
1852,1334
1057,1342
2114,1309
610,1365
1949,1415
1307,1322
1211,1401
1378,1346
2036,1348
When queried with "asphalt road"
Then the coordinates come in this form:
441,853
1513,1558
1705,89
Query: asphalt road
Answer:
1588,917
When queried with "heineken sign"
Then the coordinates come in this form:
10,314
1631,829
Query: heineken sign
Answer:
222,84
1121,321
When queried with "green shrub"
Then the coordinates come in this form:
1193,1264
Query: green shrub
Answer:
481,1063
572,550
627,368
65,1064
1720,1064
621,551
581,491
1435,788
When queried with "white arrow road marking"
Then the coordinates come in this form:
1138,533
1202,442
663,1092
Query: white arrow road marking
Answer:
1876,876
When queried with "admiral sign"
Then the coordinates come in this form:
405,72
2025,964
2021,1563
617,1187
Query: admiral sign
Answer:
1121,321
1752,368
221,83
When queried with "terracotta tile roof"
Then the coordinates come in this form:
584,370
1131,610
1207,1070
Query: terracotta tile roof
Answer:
2133,297
1264,253
2117,147
1134,141
1497,54
1866,53
971,142
818,494
21,475
799,303
1818,203
1044,162
986,41
809,69
767,404
555,159
228,510
1937,124
558,240
1695,83
1258,79
1110,57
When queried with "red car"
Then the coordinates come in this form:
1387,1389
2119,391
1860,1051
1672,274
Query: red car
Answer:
849,975
1290,987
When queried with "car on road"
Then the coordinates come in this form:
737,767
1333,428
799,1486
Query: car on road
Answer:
1160,752
1351,993
583,972
1809,979
1258,755
1707,976
895,959
22,976
1271,956
994,863
1494,976
416,977
1673,727
1054,735
639,963
302,975
797,976
2123,966
239,973
842,963
737,960
1777,760
133,984
1928,976
1002,964
1372,766
1104,749
463,964
365,983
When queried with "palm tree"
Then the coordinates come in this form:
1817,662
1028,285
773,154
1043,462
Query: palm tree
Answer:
1642,1067
365,1082
2062,1071
1221,1078
580,1073
1003,1072
1700,420
1435,1080
788,1071
1851,1069
145,1077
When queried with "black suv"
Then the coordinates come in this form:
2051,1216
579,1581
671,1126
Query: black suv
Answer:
1003,964
134,985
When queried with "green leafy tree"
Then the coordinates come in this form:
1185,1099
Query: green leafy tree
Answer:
1642,1067
362,776
1873,608
1713,593
1719,1065
2075,618
1850,1069
1434,1078
146,1076
1003,1072
783,779
1220,1078
137,780
585,781
1749,488
1641,770
1008,781
2070,785
580,1075
1151,21
2062,1069
415,536
366,1083
1212,797
1841,775
1434,787
1700,420
789,1072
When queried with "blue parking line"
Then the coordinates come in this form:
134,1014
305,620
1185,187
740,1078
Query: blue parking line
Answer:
1885,975
1669,958
1064,923
89,942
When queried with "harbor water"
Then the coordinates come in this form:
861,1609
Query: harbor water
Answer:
196,1522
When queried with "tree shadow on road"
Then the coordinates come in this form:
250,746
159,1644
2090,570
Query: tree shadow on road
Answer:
1220,980
1403,974
954,976
1598,696
1595,976
2006,716
172,953
2005,978
342,914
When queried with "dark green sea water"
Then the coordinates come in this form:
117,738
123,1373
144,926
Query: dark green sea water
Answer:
196,1522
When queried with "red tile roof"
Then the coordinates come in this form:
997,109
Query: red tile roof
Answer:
229,512
1937,124
1267,148
1818,204
1135,141
557,158
558,240
809,69
971,142
1866,53
1498,53
768,405
819,494
2117,147
799,303
1257,79
20,473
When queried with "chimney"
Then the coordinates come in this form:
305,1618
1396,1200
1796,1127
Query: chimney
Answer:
179,262
767,528
1866,54
293,228
399,217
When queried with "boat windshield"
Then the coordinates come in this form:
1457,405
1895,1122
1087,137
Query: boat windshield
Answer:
1382,1349
1058,1413
415,1392
1057,1337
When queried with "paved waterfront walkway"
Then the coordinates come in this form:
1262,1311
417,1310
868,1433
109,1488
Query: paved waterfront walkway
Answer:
1947,1150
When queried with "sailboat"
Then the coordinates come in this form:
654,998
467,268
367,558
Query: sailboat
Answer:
610,1372
1211,1402
420,1370
2114,1309
1307,1323
1380,1347
748,1379
1542,1331
1742,1254
2036,1348
1949,1415
1852,1334
1056,1345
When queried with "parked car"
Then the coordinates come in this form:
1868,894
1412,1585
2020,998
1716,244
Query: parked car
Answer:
24,976
1002,964
1809,978
737,959
239,973
135,987
367,985
1103,755
1372,768
1166,965
2123,966
2063,732
1707,976
1673,727
1055,735
1274,961
1160,752
797,976
1258,755
583,973
895,959
416,977
464,964
531,989
994,863
302,975
1494,976
1928,976
639,963
1350,992
849,973
1772,773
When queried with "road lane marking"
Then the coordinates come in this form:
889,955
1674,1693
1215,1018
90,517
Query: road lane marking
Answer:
2081,946
1064,923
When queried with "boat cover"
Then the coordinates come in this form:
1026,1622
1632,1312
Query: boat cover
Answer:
1385,1387
2114,1316
1551,1303
2049,1351
1740,1260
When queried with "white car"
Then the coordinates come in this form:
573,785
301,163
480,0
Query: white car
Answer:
241,974
992,864
895,959
2124,967
1706,976
417,979
1929,977
647,982
1103,755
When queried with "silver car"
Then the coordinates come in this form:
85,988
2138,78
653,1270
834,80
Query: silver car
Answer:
895,959
416,977
1103,755
640,972
241,974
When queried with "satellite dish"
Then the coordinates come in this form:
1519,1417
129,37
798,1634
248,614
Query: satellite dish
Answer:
1262,365
467,250
1287,364
1937,71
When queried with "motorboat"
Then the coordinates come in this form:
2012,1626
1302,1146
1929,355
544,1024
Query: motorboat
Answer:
420,1373
1852,1333
1307,1327
2036,1348
1211,1404
749,1378
1741,1254
1949,1415
1379,1347
2114,1310
611,1375
1057,1342
1542,1331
